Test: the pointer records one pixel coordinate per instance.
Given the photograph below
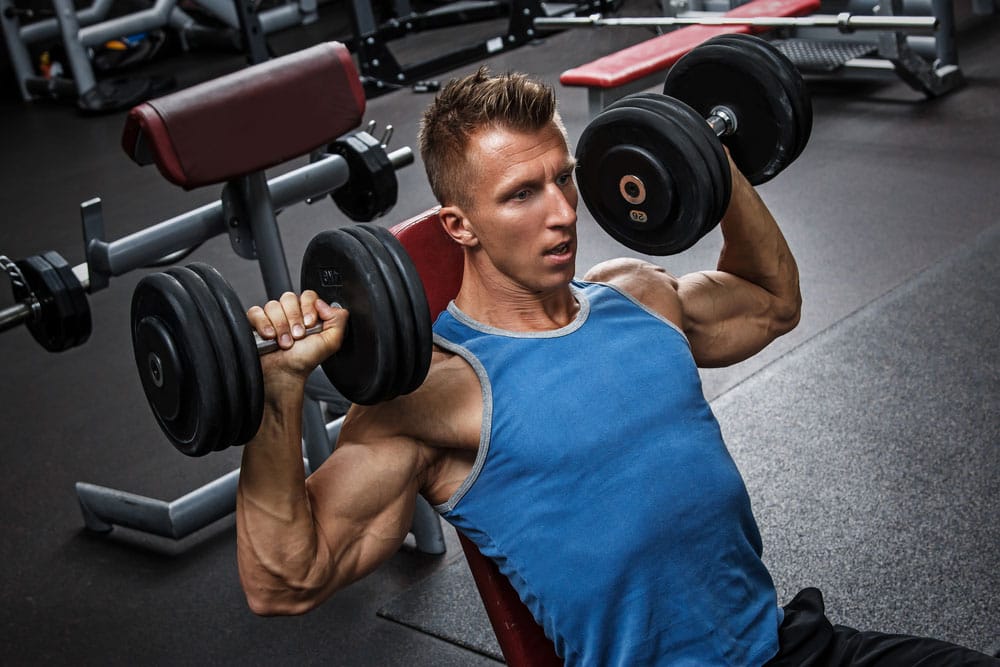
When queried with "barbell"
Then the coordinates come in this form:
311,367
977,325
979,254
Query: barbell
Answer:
651,168
845,22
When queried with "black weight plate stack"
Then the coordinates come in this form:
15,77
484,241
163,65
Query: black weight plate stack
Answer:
250,389
81,326
55,328
789,75
371,189
214,325
177,364
712,169
423,332
402,323
741,78
630,141
340,270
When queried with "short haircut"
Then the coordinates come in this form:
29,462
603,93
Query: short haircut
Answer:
478,101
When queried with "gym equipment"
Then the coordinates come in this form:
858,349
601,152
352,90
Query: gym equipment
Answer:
195,137
651,168
381,71
198,358
243,27
51,296
845,22
372,191
51,301
927,62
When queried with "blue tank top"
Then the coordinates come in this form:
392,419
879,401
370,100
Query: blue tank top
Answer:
604,492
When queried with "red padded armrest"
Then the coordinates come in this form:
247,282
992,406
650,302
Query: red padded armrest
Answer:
659,53
249,120
437,257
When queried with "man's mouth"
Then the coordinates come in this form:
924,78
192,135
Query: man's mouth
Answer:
560,249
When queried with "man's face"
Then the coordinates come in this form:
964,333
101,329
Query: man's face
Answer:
521,206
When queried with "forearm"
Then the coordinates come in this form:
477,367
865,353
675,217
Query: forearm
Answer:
277,543
754,248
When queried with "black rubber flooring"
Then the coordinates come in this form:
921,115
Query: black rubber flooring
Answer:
868,436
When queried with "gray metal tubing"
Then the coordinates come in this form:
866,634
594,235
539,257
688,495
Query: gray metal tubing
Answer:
280,18
49,28
20,59
264,228
79,61
844,22
947,51
155,17
104,508
183,231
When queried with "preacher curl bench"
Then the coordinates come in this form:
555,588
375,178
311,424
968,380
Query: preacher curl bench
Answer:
229,130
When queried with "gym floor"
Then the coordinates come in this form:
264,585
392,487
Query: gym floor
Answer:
869,436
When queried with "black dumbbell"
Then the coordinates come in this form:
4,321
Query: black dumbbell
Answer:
651,167
198,357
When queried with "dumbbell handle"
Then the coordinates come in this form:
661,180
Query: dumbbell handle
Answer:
268,345
722,120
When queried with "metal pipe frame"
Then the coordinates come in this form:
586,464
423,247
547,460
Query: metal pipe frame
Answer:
257,199
844,22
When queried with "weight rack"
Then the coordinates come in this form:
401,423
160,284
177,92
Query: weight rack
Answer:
381,72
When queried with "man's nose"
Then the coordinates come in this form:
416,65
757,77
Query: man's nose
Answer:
563,208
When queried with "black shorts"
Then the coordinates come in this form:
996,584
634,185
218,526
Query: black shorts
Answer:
808,639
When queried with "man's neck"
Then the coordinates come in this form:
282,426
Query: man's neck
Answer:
502,304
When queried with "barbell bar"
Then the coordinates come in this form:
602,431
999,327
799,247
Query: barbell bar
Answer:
845,22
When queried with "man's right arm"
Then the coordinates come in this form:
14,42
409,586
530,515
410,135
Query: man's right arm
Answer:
299,540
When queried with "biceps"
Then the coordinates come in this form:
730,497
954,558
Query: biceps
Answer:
726,319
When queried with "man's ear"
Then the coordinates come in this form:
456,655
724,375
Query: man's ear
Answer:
458,226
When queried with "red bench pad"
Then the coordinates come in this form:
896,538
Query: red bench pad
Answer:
249,120
439,262
659,53
436,256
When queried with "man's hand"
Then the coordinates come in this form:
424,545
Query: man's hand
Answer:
286,320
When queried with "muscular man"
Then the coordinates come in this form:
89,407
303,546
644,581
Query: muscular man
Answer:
562,426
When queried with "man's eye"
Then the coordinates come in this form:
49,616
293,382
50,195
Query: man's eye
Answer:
521,195
564,178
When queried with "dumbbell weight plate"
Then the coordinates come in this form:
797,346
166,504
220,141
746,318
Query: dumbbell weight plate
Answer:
371,189
177,365
423,332
81,326
713,167
229,418
55,328
786,72
338,268
402,359
743,80
626,141
251,379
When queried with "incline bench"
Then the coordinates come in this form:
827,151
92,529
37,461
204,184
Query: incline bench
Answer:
643,65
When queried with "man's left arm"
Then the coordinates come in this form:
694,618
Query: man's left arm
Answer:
752,297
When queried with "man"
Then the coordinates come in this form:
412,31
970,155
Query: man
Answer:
561,427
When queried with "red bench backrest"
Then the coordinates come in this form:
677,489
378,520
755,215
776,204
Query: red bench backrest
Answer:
439,262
